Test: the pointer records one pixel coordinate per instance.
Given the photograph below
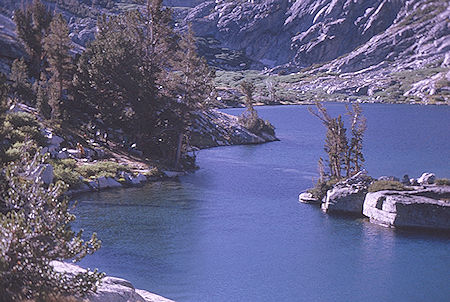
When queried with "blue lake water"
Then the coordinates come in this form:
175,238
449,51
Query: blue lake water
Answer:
234,231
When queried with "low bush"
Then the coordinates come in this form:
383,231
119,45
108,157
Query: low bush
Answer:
321,188
382,185
22,127
103,168
66,170
442,182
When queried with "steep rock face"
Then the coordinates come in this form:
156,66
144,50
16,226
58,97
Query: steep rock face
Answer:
329,29
10,47
348,196
426,208
304,32
418,35
255,28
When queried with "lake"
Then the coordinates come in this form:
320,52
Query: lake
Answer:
234,230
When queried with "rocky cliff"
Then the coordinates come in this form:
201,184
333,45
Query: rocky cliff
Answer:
305,32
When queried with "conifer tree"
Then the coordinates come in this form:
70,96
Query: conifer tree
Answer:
192,87
343,156
42,98
3,108
32,26
21,87
358,127
4,88
57,46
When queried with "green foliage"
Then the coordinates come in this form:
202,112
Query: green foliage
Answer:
320,189
22,127
343,157
35,231
249,118
103,168
21,87
57,46
442,182
32,25
381,185
65,170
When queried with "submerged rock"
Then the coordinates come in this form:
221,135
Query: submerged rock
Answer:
111,289
425,208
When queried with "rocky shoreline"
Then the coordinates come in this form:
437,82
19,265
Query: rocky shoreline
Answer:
420,204
111,289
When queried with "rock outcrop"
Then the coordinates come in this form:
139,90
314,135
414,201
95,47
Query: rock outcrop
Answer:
307,197
413,206
111,289
348,196
426,179
424,208
213,128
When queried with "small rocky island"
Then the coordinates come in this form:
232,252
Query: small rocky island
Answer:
411,203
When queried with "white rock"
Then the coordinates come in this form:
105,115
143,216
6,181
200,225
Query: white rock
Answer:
307,197
348,195
426,179
111,289
139,179
54,139
47,174
62,155
107,182
424,208
44,172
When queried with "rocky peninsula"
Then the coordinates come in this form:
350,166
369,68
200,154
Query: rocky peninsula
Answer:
423,203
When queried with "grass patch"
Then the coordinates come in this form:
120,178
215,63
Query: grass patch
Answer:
391,185
103,168
442,182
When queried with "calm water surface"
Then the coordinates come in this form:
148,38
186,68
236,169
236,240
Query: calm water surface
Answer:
234,231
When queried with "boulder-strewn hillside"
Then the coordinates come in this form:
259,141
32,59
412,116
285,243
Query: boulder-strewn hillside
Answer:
361,48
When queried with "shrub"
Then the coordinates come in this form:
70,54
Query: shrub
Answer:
35,231
103,168
382,185
442,182
65,170
321,188
21,127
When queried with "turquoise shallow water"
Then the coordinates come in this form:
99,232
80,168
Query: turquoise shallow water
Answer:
234,231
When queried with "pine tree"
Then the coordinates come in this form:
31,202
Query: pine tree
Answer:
192,88
42,98
57,46
4,88
358,127
32,26
21,87
343,156
336,142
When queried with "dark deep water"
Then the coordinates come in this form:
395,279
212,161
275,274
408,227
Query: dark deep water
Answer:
234,231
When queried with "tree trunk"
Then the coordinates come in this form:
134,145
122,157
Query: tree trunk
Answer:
178,154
